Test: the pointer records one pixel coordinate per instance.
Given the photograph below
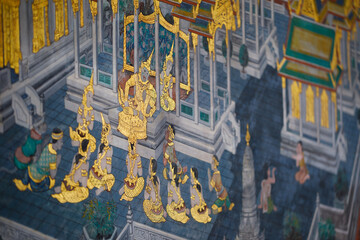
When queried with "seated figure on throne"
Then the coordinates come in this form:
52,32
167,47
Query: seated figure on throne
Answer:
152,204
73,188
40,175
176,207
199,210
169,155
166,80
134,182
100,174
136,110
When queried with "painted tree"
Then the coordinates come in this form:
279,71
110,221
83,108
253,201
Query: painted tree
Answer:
326,230
243,56
291,225
205,44
224,48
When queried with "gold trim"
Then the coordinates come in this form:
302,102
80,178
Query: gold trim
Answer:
35,180
51,149
52,166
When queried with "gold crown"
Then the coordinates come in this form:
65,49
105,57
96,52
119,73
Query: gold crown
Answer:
90,87
169,57
106,128
171,132
147,63
57,136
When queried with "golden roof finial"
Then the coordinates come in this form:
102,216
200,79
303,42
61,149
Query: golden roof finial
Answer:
90,87
247,137
170,56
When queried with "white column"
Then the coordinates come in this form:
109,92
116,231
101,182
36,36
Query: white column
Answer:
100,25
301,116
284,102
332,112
211,63
196,84
272,12
198,69
177,75
243,21
136,40
114,48
262,12
257,26
76,43
95,50
341,103
318,111
228,68
157,63
251,11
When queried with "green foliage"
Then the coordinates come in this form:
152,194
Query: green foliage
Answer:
243,56
326,230
205,44
291,225
341,185
224,48
100,217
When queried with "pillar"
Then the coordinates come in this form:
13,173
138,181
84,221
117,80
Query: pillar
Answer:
157,63
196,84
251,11
243,21
100,25
95,49
211,91
272,13
228,69
136,40
76,44
318,111
257,26
284,101
301,115
25,37
114,49
177,74
262,7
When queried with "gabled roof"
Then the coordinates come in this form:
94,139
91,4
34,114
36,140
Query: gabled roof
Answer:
343,13
313,9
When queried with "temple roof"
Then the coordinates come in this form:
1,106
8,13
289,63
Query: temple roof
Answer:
311,54
313,9
343,13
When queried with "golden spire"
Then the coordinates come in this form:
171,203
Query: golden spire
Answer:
91,84
148,62
170,56
247,137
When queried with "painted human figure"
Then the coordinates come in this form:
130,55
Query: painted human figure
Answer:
176,207
199,209
136,110
223,201
40,175
31,149
73,188
166,81
85,116
303,174
100,175
152,204
266,202
169,155
133,182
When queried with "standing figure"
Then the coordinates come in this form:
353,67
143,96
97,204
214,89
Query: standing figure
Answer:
166,80
134,182
73,188
303,174
100,174
85,114
152,204
176,206
215,183
169,155
199,210
40,175
266,202
136,110
25,154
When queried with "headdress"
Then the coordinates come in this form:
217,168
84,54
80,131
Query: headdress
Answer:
247,137
90,86
148,62
171,132
196,181
169,57
106,128
57,134
152,174
216,161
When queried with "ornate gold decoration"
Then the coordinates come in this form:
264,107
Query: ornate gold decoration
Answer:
157,7
166,102
310,112
136,4
295,100
333,99
324,109
93,8
247,137
66,18
194,38
57,136
39,24
200,211
75,6
114,5
10,52
81,14
283,82
59,19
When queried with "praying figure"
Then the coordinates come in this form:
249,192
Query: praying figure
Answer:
175,207
73,188
169,156
166,80
136,110
266,202
100,174
134,182
303,174
40,175
199,210
223,200
152,204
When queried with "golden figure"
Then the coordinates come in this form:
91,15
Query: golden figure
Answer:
215,182
166,102
303,174
134,182
199,210
85,110
170,156
152,204
136,110
73,188
99,175
176,206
